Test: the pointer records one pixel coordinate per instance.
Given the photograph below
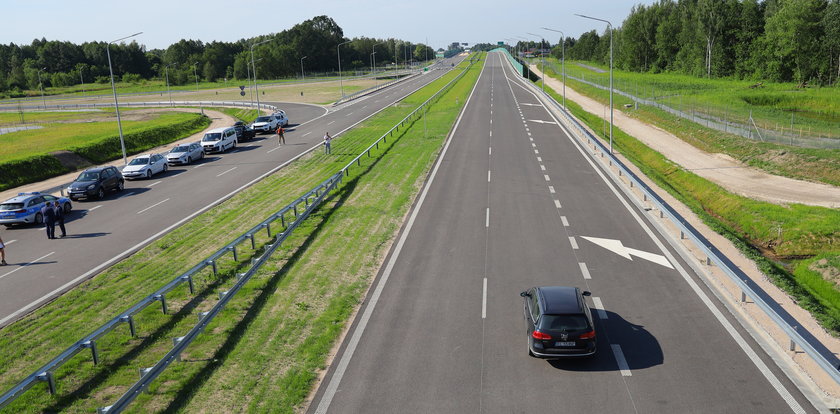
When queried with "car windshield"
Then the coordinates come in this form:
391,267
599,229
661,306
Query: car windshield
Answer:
11,206
139,161
565,322
212,137
88,176
263,119
181,148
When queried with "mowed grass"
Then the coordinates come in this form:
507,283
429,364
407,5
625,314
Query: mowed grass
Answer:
280,326
245,115
822,165
65,136
753,226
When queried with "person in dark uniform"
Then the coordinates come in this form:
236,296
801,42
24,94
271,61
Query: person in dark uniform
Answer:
48,213
59,219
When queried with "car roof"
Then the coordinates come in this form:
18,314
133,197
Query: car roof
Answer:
222,129
23,197
559,299
96,169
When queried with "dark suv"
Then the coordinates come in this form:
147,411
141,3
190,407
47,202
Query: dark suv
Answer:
94,182
559,322
243,132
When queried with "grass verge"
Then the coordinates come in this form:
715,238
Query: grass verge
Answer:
751,225
245,115
263,351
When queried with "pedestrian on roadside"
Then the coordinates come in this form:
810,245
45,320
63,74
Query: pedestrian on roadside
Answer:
281,135
327,141
48,215
2,253
59,219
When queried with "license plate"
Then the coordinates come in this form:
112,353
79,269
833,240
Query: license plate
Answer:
572,343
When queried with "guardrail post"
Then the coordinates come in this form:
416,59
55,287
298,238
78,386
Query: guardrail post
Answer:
253,243
162,299
144,371
189,280
202,315
175,342
644,196
661,213
294,208
103,410
268,229
682,234
306,201
708,261
631,183
235,255
283,220
222,294
239,276
792,343
49,378
94,352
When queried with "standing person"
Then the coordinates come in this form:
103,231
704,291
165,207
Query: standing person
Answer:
48,215
2,253
281,135
327,140
59,219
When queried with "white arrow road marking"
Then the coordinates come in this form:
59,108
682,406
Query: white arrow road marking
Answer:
616,247
541,121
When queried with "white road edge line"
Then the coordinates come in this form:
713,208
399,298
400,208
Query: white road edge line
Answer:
153,205
27,264
622,363
335,380
584,270
484,300
599,306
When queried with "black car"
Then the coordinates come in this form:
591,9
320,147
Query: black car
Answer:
94,182
559,322
243,132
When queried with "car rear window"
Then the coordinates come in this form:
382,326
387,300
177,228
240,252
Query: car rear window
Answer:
11,206
565,322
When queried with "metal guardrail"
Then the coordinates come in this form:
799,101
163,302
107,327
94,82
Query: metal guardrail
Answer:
311,200
405,75
146,104
784,320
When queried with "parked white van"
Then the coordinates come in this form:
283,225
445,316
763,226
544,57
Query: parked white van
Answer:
219,139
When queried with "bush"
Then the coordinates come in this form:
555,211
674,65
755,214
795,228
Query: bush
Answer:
103,79
131,78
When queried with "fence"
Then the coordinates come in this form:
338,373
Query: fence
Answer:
402,76
786,322
311,200
64,107
723,121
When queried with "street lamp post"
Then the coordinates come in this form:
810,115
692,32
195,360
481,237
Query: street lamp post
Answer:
302,75
373,58
563,63
166,69
543,59
114,89
611,73
195,72
256,85
41,84
340,82
527,67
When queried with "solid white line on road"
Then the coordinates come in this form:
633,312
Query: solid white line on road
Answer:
565,221
27,264
542,167
125,195
94,208
306,134
484,300
225,172
487,218
153,205
547,178
488,176
584,270
551,190
599,307
557,203
622,363
573,242
154,184
330,123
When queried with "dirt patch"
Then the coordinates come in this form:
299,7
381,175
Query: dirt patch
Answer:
826,270
71,160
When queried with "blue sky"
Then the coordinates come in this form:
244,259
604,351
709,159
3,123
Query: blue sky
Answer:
166,22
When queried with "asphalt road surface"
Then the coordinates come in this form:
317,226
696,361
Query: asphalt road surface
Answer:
514,203
100,232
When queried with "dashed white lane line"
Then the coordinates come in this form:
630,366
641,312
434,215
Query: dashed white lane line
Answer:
490,151
348,114
542,167
622,363
557,203
306,134
491,120
225,172
484,300
273,149
363,107
154,184
152,206
125,195
27,264
94,208
330,123
547,178
539,159
565,221
491,133
536,151
573,242
584,270
599,307
487,218
532,139
533,145
10,242
199,165
551,190
488,176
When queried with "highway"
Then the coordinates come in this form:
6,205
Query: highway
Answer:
101,232
514,203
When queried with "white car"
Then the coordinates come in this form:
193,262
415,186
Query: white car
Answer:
185,154
266,124
144,166
282,119
219,139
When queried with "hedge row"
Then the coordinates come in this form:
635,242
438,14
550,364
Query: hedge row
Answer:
36,168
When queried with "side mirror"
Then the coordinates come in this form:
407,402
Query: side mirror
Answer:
524,294
586,293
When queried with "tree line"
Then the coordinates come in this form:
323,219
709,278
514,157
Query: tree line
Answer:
60,63
775,40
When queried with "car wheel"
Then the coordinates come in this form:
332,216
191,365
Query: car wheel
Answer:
233,145
189,160
165,167
120,185
148,174
100,194
39,219
67,207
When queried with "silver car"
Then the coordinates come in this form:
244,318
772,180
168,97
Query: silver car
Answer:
144,166
185,154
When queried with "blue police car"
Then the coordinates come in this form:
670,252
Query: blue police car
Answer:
26,208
